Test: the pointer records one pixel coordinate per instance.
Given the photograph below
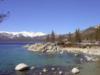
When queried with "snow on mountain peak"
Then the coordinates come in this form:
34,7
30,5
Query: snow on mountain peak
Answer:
25,34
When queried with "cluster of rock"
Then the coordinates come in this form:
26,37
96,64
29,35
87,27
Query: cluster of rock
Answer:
44,48
90,58
54,48
23,67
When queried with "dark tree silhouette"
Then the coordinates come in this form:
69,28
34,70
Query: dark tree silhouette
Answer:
77,36
47,38
52,39
3,16
70,37
97,33
60,38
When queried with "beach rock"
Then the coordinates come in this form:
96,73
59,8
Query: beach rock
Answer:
60,72
32,68
40,73
77,54
52,68
91,58
88,58
61,52
75,70
81,60
96,59
21,67
44,70
45,48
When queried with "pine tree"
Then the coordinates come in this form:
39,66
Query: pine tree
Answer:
52,36
77,36
70,37
47,38
97,33
60,38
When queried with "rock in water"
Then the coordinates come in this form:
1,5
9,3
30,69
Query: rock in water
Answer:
52,68
75,70
60,72
44,70
32,67
88,58
91,58
21,67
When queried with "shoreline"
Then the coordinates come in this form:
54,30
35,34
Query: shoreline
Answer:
88,54
52,49
89,51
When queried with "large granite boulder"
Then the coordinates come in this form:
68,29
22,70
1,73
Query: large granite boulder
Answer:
75,70
21,67
44,48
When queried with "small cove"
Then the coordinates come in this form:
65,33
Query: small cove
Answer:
11,55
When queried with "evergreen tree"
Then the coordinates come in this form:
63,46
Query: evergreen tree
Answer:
97,33
70,37
77,36
60,38
47,38
52,36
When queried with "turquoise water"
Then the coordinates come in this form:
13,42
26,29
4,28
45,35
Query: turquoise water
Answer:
11,55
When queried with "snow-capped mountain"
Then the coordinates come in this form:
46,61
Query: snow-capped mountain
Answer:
24,34
21,36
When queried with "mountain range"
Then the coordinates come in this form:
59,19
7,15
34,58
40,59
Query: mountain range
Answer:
22,37
30,37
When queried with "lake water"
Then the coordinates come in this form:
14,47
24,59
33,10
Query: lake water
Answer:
11,55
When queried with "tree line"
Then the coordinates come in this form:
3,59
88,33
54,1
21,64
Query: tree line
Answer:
77,37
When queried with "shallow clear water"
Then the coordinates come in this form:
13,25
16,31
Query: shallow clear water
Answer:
11,55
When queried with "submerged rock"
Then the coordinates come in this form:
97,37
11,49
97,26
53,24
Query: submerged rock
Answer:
21,67
44,70
91,58
32,68
75,70
52,68
60,72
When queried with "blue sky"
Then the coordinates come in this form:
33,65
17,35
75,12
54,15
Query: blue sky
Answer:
62,16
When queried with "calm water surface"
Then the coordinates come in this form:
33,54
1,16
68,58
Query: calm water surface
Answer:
11,55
